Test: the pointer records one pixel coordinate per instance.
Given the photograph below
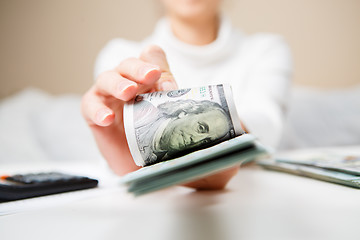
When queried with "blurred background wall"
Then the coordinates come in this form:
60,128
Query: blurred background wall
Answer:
52,44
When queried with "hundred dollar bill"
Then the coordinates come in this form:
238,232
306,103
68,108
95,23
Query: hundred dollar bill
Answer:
333,161
233,152
163,125
312,172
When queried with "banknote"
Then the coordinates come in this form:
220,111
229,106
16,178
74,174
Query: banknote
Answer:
233,152
312,172
333,161
164,125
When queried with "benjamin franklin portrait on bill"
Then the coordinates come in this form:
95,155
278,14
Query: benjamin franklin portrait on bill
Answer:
175,127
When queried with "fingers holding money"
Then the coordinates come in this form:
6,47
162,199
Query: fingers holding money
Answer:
110,83
95,111
143,73
132,76
155,55
96,103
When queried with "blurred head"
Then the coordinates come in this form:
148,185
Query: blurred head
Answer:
192,9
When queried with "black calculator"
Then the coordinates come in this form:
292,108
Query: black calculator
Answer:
21,186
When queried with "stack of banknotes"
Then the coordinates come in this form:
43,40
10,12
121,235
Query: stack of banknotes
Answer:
182,135
327,166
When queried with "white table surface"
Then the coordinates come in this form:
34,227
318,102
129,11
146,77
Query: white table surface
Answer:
257,204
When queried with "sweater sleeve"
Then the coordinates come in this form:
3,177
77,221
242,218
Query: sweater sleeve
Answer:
113,53
263,106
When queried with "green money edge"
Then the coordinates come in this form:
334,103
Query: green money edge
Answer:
194,172
218,150
313,172
324,166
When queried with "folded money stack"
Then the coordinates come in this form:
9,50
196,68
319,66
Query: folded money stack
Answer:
326,166
179,136
198,164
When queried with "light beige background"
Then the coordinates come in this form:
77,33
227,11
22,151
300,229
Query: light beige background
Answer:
52,44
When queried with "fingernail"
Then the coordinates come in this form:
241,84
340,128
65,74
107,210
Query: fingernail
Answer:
102,114
147,69
123,86
127,91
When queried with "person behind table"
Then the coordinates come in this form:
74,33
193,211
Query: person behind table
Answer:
203,48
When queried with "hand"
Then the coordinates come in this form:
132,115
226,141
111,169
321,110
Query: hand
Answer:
102,107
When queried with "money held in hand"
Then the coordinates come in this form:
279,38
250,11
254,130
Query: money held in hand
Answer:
164,125
201,163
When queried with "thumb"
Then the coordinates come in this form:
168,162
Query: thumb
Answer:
155,55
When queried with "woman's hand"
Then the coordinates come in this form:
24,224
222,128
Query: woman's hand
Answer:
102,105
102,108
